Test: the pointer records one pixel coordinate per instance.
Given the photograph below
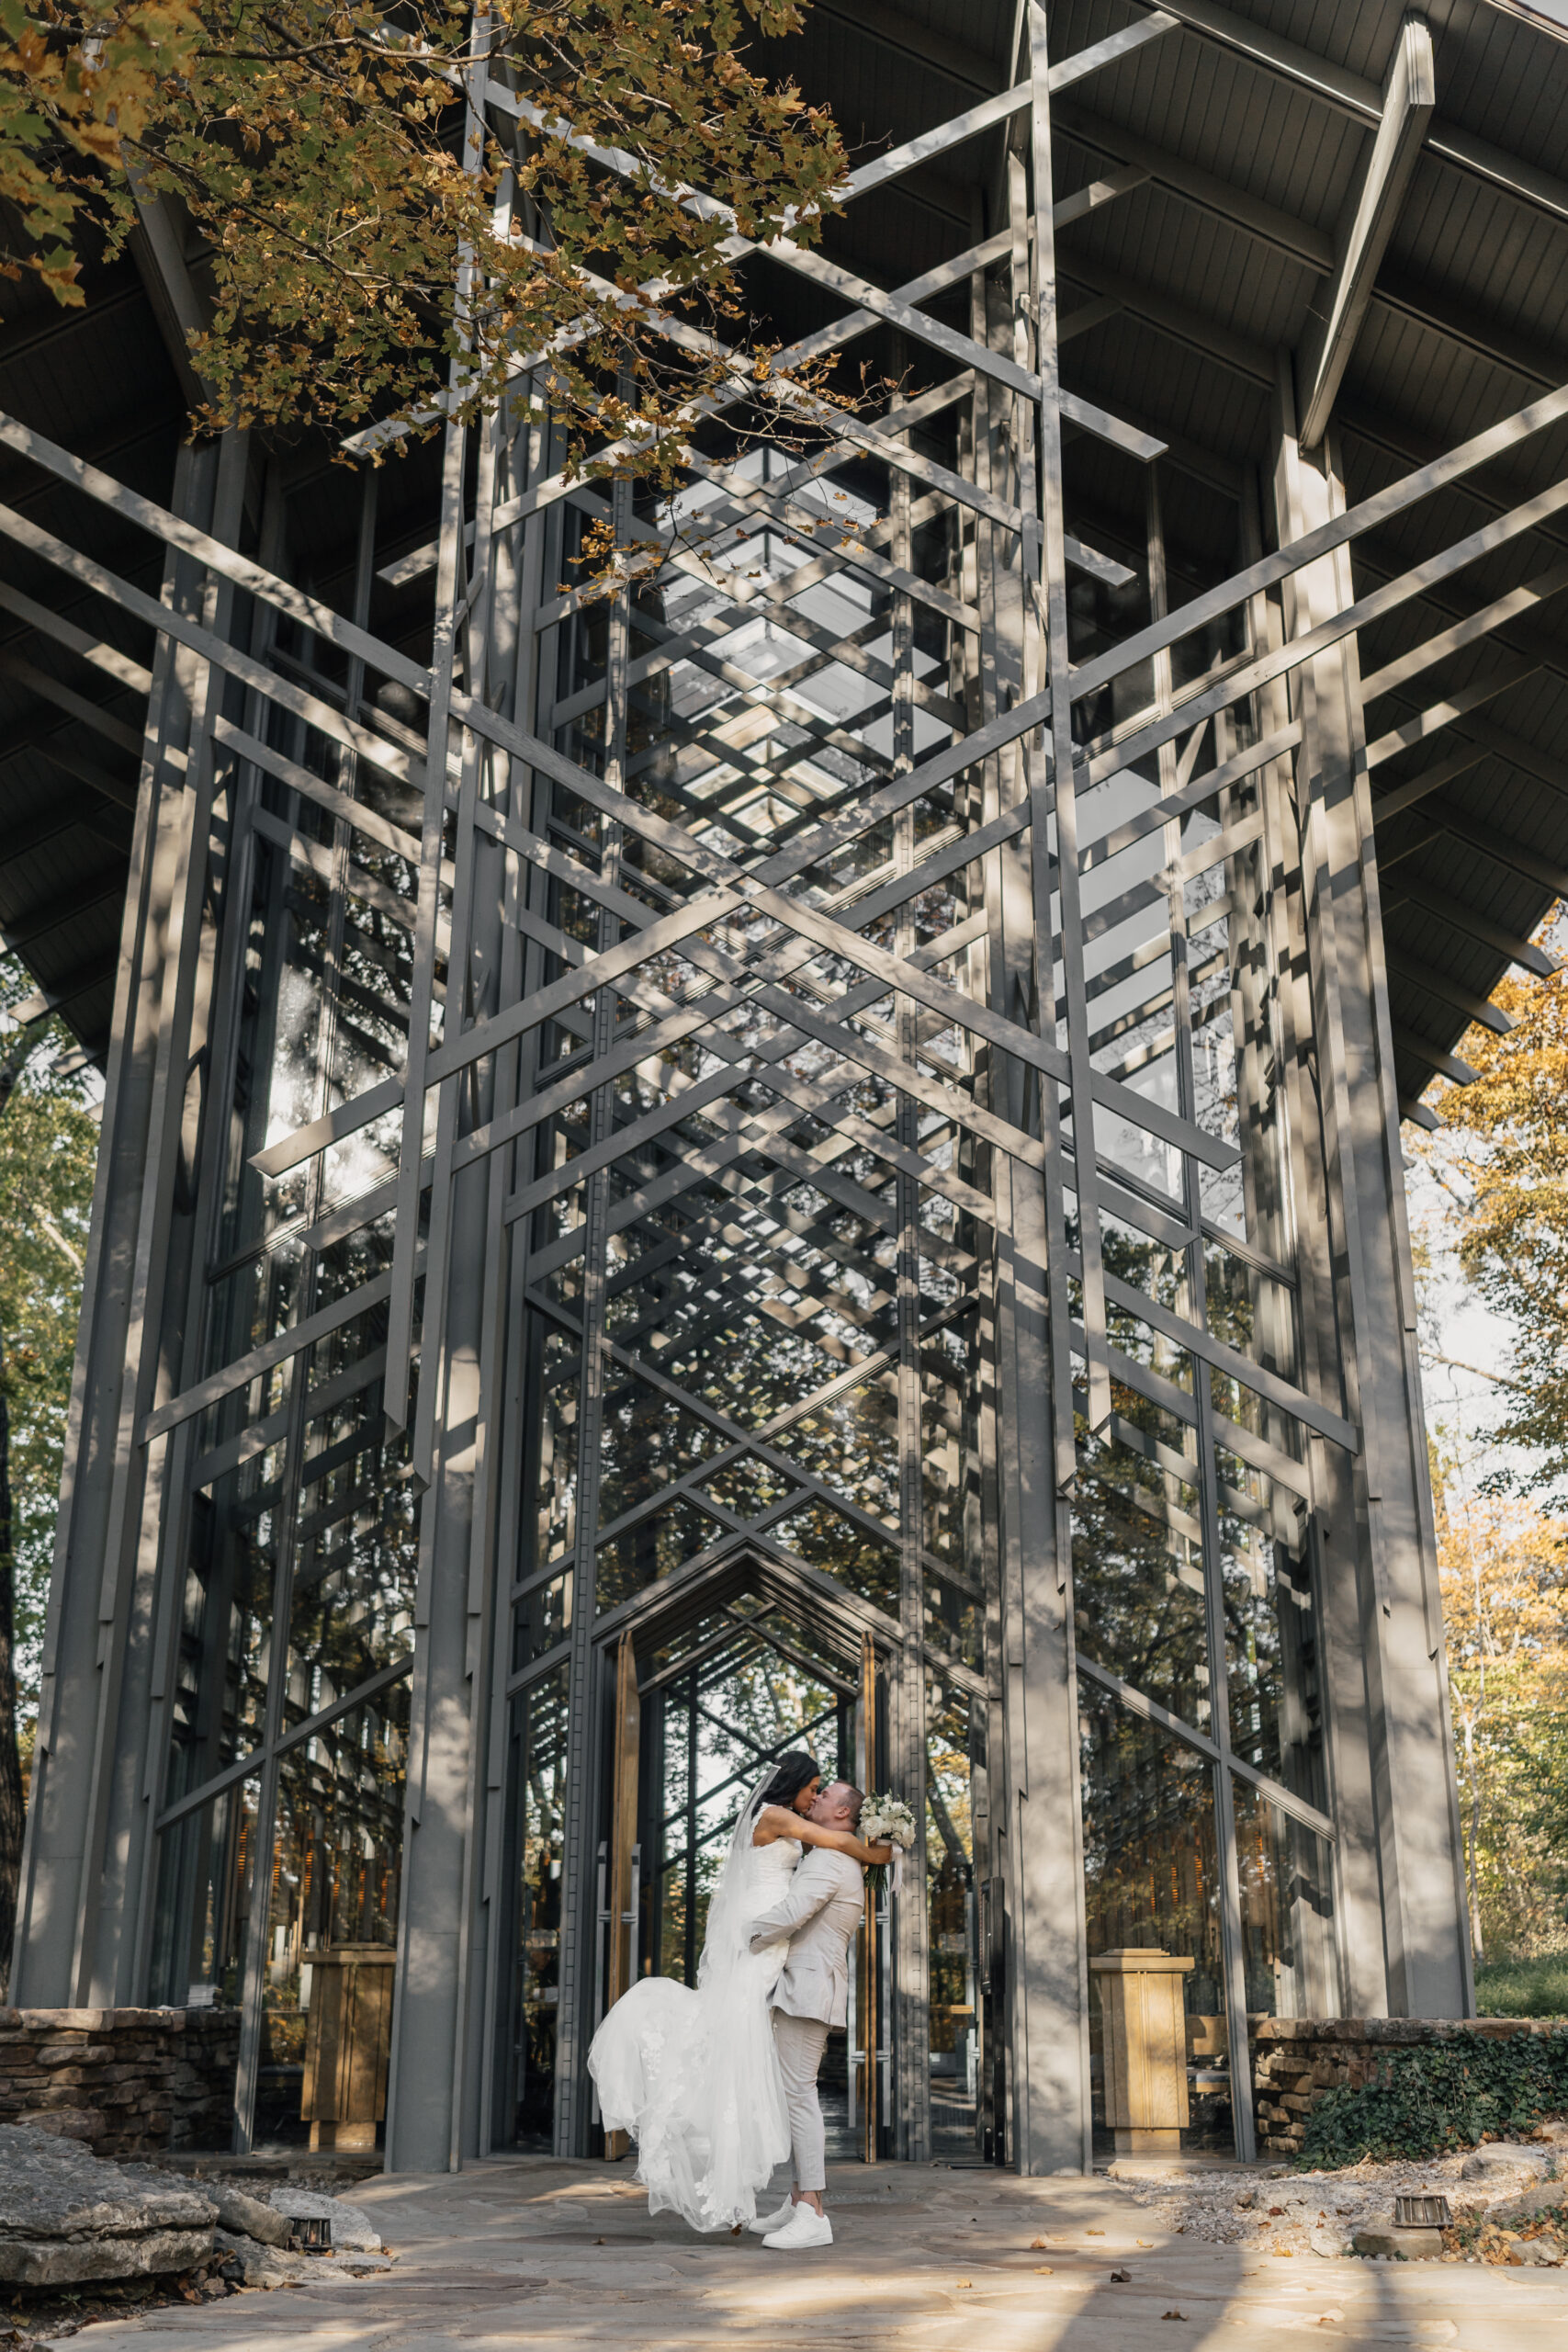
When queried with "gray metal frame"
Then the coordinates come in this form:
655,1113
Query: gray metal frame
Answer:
998,1128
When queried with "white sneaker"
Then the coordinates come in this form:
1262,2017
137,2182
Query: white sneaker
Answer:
806,2227
765,2223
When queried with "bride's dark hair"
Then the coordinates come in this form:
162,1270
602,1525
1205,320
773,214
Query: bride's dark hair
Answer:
793,1769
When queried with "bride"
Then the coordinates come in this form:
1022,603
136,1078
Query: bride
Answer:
693,2075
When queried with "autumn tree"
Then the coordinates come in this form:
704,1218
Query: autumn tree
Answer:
48,1150
1504,1155
1504,1581
405,206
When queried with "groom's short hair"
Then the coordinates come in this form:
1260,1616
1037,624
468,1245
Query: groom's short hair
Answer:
853,1799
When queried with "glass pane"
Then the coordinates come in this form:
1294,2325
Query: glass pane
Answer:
550,1530
1271,1636
1152,1885
654,1548
647,1443
954,1748
1287,1910
221,1675
1138,1572
201,1917
538,1800
819,1535
851,1443
202,1909
356,1554
336,1861
543,1618
955,1621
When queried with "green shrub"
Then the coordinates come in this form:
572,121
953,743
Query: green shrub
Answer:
1524,1988
1452,2095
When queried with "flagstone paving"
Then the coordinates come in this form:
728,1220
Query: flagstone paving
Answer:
525,2251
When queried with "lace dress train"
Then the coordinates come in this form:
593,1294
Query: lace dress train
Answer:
693,2075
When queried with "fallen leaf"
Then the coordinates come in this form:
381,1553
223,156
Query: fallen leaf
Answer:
1120,2277
1094,2233
1036,2246
1173,2314
1281,2253
965,2282
1044,2270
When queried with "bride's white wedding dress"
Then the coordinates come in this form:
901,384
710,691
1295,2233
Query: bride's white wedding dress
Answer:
693,2075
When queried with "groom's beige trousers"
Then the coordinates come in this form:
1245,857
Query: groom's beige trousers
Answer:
800,2043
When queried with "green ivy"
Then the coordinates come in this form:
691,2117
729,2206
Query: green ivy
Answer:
1451,2094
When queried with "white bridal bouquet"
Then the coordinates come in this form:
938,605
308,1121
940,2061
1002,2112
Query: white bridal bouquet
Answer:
887,1821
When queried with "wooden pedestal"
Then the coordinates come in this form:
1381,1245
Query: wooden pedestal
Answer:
347,2042
1144,2042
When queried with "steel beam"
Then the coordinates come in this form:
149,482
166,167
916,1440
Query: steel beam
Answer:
1409,95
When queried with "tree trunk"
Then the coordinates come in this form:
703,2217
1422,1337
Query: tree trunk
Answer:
11,1809
11,1806
1477,1942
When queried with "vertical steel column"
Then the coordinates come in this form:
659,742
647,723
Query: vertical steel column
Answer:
1208,1483
1387,1638
498,1499
1034,1781
908,2024
584,1774
86,1843
427,2122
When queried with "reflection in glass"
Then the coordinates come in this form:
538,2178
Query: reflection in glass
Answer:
1287,1910
219,1698
654,1548
822,1536
538,1828
1152,1882
1138,1572
645,1444
201,1913
1270,1637
955,1750
955,1620
336,1864
550,1530
543,1618
355,1554
851,1443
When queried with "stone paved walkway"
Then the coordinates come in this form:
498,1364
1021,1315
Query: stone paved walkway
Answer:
527,2252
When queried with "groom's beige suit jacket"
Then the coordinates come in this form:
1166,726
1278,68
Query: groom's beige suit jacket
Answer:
818,1916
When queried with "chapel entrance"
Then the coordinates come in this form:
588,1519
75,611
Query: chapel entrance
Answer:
704,1704
685,1698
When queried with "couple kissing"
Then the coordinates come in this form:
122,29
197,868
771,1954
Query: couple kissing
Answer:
718,2085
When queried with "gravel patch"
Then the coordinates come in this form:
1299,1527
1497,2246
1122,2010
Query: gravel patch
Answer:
1290,2212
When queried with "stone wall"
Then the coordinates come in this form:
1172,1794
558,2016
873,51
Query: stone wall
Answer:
126,2082
1296,2060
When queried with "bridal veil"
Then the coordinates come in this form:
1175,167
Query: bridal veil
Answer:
691,2074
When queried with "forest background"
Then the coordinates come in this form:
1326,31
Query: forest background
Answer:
1489,1202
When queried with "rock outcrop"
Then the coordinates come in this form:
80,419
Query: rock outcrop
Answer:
66,2216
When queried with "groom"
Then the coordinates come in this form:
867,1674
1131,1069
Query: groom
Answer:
821,1913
